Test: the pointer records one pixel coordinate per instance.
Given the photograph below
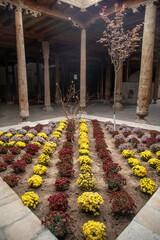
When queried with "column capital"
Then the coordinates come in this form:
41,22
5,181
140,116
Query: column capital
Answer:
19,4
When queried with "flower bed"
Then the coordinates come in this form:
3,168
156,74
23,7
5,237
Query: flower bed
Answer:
105,223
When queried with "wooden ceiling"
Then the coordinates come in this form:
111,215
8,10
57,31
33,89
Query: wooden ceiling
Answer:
61,25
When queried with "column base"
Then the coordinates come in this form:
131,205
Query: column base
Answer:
48,109
117,106
155,102
142,121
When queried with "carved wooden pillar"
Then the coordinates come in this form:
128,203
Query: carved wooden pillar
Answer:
8,84
108,82
21,65
38,82
57,97
157,81
47,97
118,105
83,70
146,61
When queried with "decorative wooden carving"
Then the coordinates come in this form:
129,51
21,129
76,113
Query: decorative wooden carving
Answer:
19,4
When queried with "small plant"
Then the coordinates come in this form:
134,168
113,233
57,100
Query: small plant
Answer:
146,155
83,152
19,166
115,181
114,133
125,146
141,147
65,170
100,143
44,159
30,199
66,158
9,158
134,142
43,135
140,134
111,167
39,169
58,202
87,181
126,134
68,144
151,141
35,181
139,171
36,143
3,166
158,169
155,147
90,202
148,186
153,162
144,138
11,180
118,142
59,223
30,135
158,154
122,203
94,230
133,162
104,153
20,144
128,153
154,133
3,149
31,148
62,184
47,150
27,158
15,150
65,151
84,160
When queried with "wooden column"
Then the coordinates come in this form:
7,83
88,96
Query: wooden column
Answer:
57,97
38,82
47,97
21,65
8,84
83,70
108,82
157,81
118,105
146,61
101,81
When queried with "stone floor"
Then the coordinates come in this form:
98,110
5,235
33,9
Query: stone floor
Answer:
9,114
18,222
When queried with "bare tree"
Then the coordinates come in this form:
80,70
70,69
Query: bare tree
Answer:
120,44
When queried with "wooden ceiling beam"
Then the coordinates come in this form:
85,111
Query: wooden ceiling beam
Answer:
52,13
